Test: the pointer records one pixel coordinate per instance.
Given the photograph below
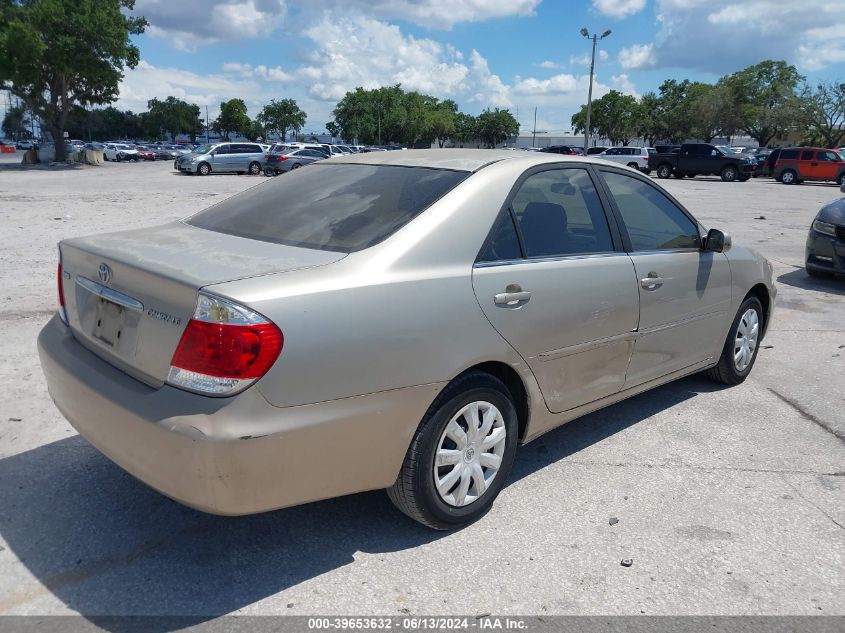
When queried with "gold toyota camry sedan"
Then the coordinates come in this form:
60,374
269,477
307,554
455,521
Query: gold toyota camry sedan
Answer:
392,320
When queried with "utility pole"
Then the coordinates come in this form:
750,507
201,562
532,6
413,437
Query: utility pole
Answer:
207,137
534,140
595,38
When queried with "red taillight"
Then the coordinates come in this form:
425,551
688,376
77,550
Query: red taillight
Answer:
283,157
61,287
224,349
228,351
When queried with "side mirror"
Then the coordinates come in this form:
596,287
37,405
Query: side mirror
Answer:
716,241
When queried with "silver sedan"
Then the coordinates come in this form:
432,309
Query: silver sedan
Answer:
393,320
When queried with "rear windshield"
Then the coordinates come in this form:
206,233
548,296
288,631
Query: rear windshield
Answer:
335,207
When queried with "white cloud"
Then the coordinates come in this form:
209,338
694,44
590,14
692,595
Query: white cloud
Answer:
188,24
735,35
637,56
584,60
548,64
623,84
277,73
619,8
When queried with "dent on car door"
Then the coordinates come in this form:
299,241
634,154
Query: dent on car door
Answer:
685,293
551,282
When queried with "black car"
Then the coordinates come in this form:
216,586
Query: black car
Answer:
596,150
561,149
825,253
702,159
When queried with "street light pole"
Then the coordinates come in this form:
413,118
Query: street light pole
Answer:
595,39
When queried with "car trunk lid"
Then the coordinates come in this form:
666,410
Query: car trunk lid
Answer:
129,295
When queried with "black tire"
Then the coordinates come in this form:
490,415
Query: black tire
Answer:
254,168
744,178
725,370
296,166
664,171
646,171
840,179
415,492
788,177
203,169
269,171
633,165
729,173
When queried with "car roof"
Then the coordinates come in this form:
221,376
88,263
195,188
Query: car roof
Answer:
458,159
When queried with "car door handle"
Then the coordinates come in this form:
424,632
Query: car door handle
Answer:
652,282
514,295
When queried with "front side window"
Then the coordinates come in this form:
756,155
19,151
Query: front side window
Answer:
807,154
653,221
559,213
330,206
829,157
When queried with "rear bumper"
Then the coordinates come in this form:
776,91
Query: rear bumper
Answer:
236,455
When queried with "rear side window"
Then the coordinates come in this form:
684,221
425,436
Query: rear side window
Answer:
807,154
653,221
559,213
789,154
331,207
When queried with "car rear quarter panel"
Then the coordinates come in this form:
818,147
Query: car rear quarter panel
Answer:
399,314
749,268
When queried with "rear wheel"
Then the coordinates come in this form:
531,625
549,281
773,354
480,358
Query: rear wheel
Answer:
633,165
741,347
203,169
296,166
840,179
788,177
461,454
254,168
729,173
269,171
664,171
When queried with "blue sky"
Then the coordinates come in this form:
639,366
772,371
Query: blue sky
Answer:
518,54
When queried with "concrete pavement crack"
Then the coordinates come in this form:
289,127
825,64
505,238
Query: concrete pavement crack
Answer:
809,416
815,505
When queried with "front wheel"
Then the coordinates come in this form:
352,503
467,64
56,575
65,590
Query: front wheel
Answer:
204,169
741,347
664,171
460,456
729,174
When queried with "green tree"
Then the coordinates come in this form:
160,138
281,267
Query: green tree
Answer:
713,110
55,54
466,128
333,129
233,117
824,112
16,123
440,120
766,100
650,127
174,116
614,116
256,132
280,116
494,126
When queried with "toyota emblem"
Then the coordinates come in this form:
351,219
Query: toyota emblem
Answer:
104,273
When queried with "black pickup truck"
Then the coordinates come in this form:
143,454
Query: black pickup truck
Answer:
695,159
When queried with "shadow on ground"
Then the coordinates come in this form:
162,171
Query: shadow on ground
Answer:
105,544
800,279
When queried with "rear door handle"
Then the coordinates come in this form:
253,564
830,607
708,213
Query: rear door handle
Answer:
652,282
513,296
